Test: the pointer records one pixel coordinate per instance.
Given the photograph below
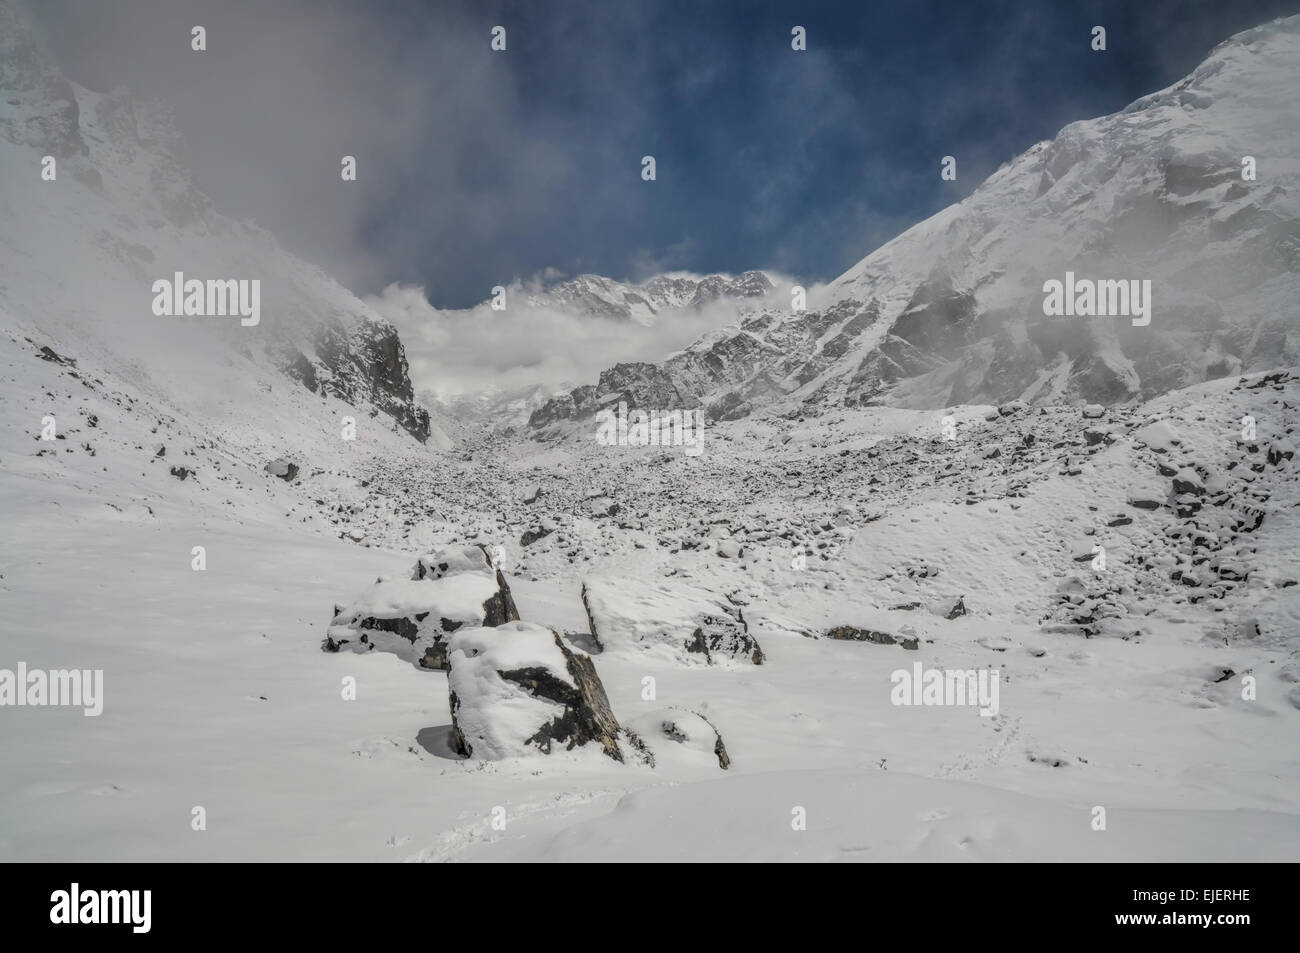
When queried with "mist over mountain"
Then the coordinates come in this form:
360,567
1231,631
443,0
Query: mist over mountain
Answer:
538,335
119,213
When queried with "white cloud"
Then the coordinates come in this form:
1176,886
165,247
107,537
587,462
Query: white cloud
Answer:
458,352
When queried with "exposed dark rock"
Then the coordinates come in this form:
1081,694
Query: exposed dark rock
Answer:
1145,503
534,533
500,609
363,362
407,627
1276,454
49,354
595,636
854,634
301,369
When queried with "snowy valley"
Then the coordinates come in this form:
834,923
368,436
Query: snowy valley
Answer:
344,627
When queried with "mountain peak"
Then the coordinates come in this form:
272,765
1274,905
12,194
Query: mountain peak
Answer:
1194,190
599,296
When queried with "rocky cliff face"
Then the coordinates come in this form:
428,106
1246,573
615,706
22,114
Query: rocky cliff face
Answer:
358,363
952,310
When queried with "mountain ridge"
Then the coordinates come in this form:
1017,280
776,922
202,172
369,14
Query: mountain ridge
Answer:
950,311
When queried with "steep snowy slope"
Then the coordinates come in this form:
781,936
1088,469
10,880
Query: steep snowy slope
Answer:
88,231
952,311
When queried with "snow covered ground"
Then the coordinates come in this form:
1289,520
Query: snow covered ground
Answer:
217,693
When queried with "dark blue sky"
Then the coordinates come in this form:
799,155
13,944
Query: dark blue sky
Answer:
477,167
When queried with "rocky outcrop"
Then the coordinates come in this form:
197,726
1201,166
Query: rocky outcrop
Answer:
733,373
361,363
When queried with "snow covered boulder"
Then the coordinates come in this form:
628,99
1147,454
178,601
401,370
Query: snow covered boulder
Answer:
1279,450
517,690
412,618
602,506
672,620
949,608
1158,436
282,468
730,549
1093,436
677,734
1188,480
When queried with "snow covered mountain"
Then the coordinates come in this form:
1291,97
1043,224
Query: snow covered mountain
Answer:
1195,188
503,408
536,323
107,213
604,297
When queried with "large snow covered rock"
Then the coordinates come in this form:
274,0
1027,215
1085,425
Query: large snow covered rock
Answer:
412,618
672,620
518,689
